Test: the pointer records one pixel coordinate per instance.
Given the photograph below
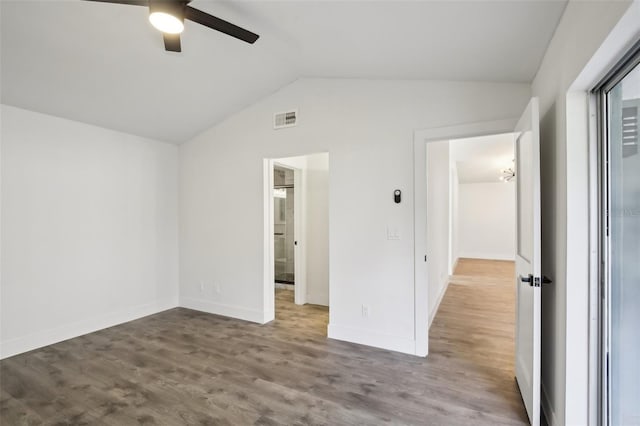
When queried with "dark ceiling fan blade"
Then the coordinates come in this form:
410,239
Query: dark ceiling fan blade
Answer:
172,42
129,2
218,24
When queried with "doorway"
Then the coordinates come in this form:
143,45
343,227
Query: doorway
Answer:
527,284
471,214
296,218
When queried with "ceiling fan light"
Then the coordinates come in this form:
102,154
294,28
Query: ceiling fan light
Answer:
166,22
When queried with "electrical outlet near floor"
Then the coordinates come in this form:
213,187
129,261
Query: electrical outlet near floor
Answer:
217,287
201,286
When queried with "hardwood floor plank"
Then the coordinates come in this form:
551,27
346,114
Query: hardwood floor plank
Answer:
188,367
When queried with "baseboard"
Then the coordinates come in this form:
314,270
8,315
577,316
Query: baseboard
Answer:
320,301
372,338
238,312
69,331
547,407
455,265
488,256
434,311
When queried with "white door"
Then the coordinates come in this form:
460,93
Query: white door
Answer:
300,255
528,269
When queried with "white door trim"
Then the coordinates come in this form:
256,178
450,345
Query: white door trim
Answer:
420,139
268,285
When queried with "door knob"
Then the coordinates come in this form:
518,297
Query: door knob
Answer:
527,279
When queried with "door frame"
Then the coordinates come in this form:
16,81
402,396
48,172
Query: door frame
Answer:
300,260
420,211
585,303
600,265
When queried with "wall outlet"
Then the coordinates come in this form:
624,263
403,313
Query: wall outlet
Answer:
201,286
217,287
365,311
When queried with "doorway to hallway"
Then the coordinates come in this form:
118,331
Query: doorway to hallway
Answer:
528,280
471,206
471,215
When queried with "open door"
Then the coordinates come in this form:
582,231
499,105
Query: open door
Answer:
528,262
300,256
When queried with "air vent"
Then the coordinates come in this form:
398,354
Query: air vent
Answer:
285,119
629,131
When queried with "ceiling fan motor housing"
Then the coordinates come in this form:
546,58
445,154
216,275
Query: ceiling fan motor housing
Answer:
171,7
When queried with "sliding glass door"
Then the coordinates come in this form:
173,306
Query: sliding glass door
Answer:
621,246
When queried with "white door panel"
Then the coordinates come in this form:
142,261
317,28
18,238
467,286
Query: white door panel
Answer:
528,266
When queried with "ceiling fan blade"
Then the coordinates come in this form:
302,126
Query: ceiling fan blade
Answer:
218,24
172,42
129,2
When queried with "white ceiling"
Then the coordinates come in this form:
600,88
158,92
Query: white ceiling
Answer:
480,159
104,64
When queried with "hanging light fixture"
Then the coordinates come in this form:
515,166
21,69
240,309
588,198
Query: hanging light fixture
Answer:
508,174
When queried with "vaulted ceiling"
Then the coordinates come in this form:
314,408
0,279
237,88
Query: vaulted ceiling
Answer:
104,64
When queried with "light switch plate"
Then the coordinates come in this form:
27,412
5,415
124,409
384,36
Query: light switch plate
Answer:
393,233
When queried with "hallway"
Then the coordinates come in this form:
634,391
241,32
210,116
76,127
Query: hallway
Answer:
472,336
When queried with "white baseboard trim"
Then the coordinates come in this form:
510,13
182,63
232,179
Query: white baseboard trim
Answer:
434,311
40,339
547,407
488,256
454,266
320,301
238,312
372,338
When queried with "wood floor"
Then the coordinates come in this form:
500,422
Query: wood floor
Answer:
186,367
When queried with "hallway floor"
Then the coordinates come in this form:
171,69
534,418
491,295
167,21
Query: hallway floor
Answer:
473,334
187,367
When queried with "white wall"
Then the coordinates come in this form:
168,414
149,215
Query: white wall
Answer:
486,220
438,203
564,191
367,128
454,201
318,229
89,229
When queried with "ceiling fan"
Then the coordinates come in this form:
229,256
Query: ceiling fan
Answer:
168,16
